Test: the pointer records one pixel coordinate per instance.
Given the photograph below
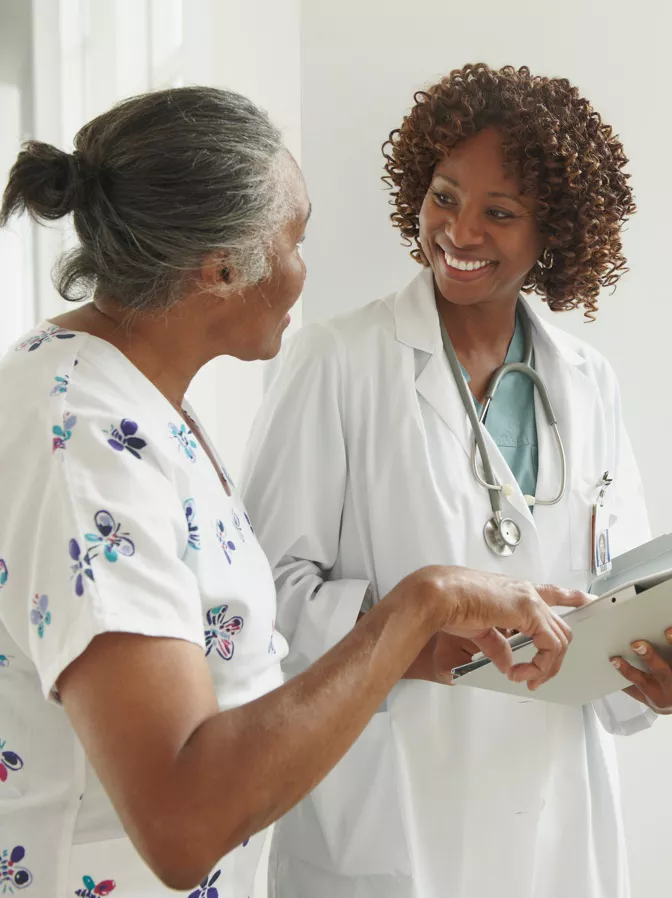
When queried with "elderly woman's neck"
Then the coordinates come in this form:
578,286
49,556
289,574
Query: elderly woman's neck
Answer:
160,346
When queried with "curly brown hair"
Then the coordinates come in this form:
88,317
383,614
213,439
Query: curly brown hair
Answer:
557,144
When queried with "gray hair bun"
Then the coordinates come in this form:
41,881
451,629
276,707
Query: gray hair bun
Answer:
44,182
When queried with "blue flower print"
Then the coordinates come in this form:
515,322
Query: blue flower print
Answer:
109,537
185,440
4,573
124,437
207,888
40,616
63,434
12,875
60,387
81,566
5,661
91,890
45,336
239,527
249,522
10,762
220,632
227,546
194,535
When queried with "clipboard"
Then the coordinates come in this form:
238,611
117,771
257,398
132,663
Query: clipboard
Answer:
633,601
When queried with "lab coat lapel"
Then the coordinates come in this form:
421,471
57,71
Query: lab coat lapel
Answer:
417,326
575,402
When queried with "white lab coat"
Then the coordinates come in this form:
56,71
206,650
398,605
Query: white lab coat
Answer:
359,473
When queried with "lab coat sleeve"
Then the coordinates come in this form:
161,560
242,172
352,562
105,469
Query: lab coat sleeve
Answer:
620,714
294,487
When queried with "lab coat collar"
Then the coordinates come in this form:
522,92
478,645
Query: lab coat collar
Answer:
417,326
417,322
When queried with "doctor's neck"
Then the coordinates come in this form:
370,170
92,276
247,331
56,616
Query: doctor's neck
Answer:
480,333
476,327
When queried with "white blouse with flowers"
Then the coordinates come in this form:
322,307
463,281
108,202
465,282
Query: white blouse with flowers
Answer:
112,519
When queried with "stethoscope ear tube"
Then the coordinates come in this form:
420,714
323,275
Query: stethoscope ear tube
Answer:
502,534
476,425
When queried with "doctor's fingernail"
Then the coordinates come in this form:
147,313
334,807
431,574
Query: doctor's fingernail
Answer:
641,648
668,633
616,662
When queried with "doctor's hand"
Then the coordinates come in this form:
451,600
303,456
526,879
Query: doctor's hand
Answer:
478,605
653,686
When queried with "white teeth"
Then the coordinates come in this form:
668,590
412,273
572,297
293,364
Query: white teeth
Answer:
461,265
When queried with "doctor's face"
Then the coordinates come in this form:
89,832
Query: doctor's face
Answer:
477,231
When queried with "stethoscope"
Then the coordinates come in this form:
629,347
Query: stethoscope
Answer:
502,535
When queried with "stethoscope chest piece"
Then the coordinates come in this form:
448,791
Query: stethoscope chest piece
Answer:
502,536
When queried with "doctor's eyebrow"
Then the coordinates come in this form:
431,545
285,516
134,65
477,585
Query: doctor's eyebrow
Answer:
494,194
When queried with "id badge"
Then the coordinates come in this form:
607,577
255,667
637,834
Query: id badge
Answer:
599,532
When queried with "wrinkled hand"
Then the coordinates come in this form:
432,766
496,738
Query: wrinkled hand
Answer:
479,605
439,657
653,686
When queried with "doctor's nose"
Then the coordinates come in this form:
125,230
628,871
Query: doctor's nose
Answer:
465,229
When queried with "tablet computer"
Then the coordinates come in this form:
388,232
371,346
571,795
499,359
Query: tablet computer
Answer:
631,608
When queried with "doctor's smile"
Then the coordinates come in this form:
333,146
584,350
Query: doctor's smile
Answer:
464,269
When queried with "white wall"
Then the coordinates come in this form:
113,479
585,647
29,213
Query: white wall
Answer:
16,269
362,60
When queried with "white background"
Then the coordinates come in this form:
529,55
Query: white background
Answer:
348,70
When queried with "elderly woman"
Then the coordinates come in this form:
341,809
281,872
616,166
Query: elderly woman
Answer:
504,184
136,607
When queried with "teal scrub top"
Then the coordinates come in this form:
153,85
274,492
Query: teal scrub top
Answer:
511,420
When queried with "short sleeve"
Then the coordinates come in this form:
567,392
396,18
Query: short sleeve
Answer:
101,535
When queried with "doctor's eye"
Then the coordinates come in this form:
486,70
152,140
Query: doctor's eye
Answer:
500,214
443,199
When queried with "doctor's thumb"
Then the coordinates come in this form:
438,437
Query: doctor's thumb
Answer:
556,596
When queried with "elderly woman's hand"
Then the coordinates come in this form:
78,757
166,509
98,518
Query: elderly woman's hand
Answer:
652,687
442,654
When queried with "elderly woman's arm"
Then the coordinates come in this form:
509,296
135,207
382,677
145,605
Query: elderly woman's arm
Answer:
191,782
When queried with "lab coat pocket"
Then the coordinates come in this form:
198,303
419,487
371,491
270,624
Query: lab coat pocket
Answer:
581,502
357,809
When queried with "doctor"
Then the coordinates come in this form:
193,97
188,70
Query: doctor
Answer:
503,183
